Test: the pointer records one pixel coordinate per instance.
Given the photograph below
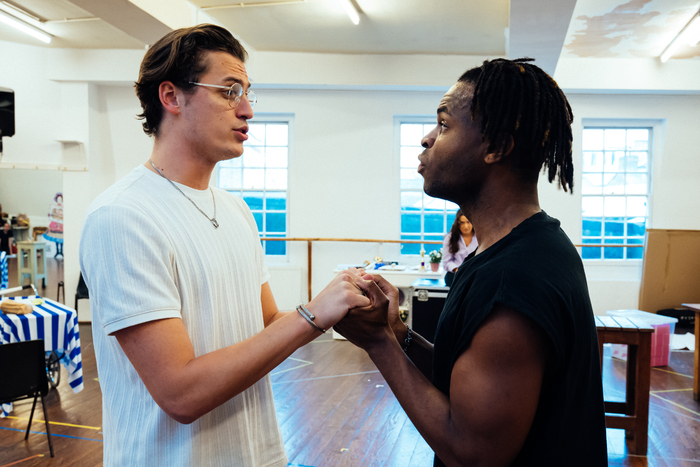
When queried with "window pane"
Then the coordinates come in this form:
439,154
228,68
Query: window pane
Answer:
275,248
276,135
637,139
254,200
411,179
276,157
592,226
615,139
409,156
636,184
256,134
593,140
634,253
276,179
411,200
636,226
410,223
276,201
451,207
614,161
614,184
411,134
230,179
591,252
254,178
637,162
636,206
614,206
434,223
593,161
276,222
433,204
592,206
615,227
616,164
410,248
592,184
613,253
258,220
260,178
254,157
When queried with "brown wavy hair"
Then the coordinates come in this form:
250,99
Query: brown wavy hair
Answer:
179,57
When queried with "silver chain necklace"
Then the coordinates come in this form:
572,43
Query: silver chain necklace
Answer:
211,219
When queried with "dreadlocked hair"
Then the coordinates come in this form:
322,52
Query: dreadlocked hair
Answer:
513,98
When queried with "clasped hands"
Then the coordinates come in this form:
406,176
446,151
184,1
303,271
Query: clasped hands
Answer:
363,307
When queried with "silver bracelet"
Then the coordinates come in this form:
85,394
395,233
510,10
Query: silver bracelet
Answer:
308,316
407,342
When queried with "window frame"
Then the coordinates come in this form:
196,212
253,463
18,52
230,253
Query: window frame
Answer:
656,131
271,118
448,214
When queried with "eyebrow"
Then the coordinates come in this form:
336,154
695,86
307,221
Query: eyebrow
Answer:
443,109
231,79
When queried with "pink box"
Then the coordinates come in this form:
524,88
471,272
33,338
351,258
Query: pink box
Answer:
663,326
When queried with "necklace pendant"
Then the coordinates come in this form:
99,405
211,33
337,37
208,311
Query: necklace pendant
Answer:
214,223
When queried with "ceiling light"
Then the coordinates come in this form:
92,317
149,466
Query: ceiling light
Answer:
350,10
690,35
25,28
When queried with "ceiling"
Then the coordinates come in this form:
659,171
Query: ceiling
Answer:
631,29
594,28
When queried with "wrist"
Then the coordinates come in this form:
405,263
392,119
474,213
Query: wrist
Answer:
307,315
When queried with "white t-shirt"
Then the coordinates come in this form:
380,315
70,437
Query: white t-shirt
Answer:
146,253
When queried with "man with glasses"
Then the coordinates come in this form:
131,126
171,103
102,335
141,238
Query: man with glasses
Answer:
185,325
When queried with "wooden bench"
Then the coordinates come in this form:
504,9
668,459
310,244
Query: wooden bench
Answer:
633,414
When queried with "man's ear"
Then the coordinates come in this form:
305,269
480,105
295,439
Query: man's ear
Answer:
500,154
170,97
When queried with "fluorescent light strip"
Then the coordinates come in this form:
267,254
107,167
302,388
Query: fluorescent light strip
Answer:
690,35
350,10
10,21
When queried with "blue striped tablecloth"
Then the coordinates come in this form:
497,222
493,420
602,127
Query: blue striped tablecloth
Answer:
57,325
3,271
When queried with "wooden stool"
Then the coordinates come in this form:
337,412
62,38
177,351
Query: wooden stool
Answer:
31,262
633,414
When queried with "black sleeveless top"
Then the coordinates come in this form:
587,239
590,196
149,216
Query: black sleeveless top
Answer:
536,270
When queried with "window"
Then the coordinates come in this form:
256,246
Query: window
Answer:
422,217
615,190
260,178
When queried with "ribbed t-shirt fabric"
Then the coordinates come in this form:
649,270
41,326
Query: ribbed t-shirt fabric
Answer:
146,254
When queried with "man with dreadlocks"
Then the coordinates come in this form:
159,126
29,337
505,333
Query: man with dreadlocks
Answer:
514,375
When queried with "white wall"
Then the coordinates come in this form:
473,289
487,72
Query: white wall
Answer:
343,177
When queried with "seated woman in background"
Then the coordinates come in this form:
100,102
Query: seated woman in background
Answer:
459,243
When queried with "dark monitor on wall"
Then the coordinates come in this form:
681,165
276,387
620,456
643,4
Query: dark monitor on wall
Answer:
7,112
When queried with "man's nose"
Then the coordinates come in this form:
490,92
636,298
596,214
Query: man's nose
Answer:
244,109
428,140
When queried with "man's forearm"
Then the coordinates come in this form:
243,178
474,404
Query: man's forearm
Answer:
419,350
427,407
187,387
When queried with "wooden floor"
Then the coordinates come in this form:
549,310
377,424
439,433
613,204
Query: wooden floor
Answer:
335,409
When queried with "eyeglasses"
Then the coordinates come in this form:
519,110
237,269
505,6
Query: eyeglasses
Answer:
234,93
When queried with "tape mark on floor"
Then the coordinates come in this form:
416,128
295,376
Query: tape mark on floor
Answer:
58,423
52,434
677,405
22,460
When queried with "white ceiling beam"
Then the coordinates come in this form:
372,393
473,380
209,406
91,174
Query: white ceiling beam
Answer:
538,30
129,18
